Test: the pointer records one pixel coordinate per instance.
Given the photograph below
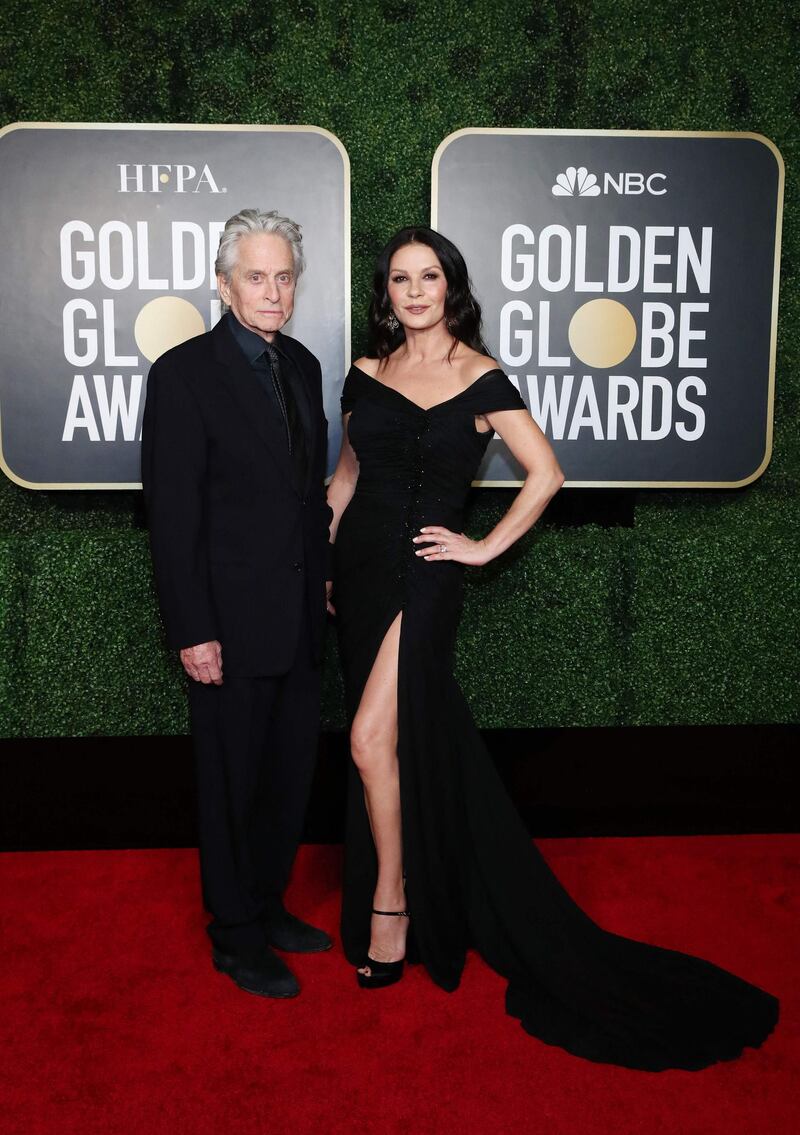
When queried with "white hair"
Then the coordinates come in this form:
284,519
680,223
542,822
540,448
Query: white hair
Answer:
250,221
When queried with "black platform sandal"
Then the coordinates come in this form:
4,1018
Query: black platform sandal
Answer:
382,973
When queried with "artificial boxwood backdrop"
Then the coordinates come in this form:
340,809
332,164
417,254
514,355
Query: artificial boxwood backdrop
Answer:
688,616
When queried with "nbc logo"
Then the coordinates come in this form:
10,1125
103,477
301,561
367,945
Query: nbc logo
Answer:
576,183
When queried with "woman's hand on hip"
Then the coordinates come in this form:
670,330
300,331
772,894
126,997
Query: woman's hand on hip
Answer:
442,544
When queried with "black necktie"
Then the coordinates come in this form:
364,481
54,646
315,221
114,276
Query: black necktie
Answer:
287,404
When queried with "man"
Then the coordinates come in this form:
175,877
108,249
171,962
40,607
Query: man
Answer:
233,461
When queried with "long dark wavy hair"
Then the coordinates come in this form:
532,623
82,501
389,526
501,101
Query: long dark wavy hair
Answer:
462,311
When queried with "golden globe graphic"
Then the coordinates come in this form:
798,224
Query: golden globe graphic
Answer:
165,322
602,333
124,223
623,294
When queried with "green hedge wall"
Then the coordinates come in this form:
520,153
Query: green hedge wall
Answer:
689,616
713,615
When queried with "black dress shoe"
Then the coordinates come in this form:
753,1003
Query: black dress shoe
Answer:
266,975
286,932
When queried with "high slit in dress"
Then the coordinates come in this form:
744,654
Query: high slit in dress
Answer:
474,878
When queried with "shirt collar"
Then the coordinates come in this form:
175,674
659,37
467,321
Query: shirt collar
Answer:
251,345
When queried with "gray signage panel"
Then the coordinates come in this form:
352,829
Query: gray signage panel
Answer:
629,283
112,231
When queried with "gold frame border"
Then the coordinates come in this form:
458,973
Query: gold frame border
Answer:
174,126
770,145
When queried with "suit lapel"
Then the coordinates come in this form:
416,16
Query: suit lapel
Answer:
305,402
244,388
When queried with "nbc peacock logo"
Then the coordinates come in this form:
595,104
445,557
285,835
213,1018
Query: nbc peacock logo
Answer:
576,183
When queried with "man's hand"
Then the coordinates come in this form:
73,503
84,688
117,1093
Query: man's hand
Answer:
203,662
328,593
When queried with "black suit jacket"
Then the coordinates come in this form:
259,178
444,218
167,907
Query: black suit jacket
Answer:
237,545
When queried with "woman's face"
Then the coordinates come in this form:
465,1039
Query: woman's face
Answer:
417,287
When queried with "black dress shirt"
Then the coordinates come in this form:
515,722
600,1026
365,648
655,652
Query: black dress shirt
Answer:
253,349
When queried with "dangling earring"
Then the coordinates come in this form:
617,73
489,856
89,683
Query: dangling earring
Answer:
392,322
450,323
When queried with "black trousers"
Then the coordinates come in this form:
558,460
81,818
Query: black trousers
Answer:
255,743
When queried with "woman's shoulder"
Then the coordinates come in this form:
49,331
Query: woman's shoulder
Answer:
367,365
473,365
489,387
354,382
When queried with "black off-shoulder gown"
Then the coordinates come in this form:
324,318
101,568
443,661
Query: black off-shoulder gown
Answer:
474,878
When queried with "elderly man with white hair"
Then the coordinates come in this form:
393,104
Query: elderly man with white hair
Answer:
233,461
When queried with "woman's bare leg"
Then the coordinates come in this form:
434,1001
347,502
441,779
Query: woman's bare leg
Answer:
373,742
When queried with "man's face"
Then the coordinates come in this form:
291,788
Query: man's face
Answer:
260,292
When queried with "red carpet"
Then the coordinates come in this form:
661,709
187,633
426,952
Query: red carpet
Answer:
116,1024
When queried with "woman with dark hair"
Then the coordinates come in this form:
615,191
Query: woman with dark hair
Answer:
437,858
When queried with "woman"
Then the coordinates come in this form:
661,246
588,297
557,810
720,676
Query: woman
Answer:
435,850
